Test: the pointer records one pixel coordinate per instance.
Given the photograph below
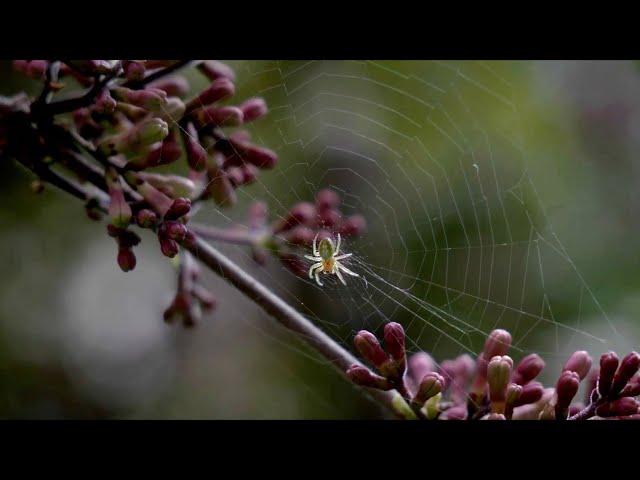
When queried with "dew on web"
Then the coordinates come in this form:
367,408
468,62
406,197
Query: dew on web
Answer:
433,154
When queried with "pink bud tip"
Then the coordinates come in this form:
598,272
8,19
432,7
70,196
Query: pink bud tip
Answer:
579,362
394,340
369,347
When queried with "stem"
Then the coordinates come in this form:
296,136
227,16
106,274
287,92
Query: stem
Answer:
286,315
228,235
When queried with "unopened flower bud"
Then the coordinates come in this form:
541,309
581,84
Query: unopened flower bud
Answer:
133,70
205,298
528,368
457,412
369,348
175,230
213,70
151,99
126,259
253,109
226,116
363,376
173,111
146,218
632,389
579,362
531,393
257,215
566,389
394,343
300,235
220,89
327,199
219,186
608,365
302,213
419,364
431,385
498,343
104,102
328,218
498,375
628,368
119,209
168,246
196,154
513,395
179,208
175,86
353,226
621,407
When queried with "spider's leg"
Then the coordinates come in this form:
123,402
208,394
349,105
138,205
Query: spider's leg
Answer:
312,258
338,246
344,255
315,245
337,272
347,271
313,267
318,277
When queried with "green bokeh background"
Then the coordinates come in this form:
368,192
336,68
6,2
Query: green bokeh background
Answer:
555,145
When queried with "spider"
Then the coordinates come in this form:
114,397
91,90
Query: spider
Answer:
327,260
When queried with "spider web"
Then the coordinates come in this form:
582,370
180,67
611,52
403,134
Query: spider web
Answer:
433,155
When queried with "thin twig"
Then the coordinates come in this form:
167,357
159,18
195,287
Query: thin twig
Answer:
286,315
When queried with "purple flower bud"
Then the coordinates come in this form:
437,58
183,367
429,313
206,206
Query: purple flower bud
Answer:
419,365
512,396
579,362
146,218
430,386
497,344
179,208
32,68
528,368
363,376
300,235
566,389
457,412
213,70
219,186
628,368
196,154
151,99
104,102
327,199
498,375
119,209
394,343
220,89
133,70
608,366
531,393
369,347
175,230
176,86
302,213
126,259
328,218
632,389
353,226
155,198
253,109
259,156
622,407
226,116
168,246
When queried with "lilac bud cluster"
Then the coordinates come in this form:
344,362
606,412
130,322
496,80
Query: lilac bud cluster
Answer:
493,386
